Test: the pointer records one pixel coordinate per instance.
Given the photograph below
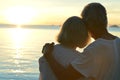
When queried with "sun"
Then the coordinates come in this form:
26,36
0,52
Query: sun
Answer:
20,14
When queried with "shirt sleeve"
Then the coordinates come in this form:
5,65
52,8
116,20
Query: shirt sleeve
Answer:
84,64
45,70
42,64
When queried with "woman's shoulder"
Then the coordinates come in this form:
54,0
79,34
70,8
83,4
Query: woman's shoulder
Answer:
62,50
42,59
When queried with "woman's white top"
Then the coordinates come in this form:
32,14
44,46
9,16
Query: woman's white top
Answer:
63,55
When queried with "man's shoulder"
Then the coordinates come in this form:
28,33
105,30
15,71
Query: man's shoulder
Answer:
94,44
118,40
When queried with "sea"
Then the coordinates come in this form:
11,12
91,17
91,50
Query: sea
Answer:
20,49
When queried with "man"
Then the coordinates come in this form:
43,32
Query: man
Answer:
100,60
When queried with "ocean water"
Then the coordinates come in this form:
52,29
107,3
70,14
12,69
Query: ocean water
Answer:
20,49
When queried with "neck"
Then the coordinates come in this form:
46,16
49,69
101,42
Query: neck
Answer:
106,36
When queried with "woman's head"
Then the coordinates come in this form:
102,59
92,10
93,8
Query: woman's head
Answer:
73,33
95,17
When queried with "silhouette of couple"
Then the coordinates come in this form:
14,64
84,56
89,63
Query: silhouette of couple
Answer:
99,60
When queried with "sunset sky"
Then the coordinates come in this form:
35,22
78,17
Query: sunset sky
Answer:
51,11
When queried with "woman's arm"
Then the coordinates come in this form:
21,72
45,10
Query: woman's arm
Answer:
61,72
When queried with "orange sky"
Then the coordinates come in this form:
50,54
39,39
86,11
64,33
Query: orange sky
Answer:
50,11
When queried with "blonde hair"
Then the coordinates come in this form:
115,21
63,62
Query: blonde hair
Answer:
73,33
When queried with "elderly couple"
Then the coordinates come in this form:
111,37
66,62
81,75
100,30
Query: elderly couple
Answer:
99,60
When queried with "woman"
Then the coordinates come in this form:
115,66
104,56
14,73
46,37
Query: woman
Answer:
73,34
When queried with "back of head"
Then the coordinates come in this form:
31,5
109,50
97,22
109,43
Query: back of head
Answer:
73,32
95,17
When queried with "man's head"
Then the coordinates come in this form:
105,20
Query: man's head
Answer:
95,17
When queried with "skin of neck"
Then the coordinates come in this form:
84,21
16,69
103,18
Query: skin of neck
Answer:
105,35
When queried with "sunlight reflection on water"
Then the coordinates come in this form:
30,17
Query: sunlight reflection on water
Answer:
20,51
